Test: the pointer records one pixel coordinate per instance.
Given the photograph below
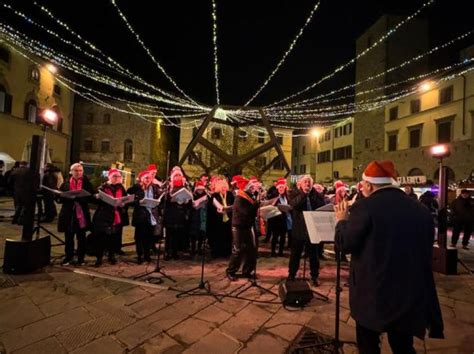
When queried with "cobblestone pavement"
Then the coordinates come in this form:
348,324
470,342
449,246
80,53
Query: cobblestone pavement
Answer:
113,309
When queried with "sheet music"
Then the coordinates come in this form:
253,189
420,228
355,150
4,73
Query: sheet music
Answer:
200,202
182,196
68,194
269,211
149,202
269,202
220,208
284,208
115,202
321,225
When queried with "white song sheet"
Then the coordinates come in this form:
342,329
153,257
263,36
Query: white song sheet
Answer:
321,225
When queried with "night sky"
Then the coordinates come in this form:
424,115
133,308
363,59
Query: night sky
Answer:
252,37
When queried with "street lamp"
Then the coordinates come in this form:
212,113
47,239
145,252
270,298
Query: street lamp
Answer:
48,118
444,259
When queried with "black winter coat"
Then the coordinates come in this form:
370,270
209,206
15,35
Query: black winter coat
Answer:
140,215
463,210
244,211
104,216
176,215
67,215
298,201
390,237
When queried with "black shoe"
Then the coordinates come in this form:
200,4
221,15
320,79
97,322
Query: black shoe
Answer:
250,276
273,254
81,262
139,260
120,253
167,257
148,259
98,263
280,254
112,260
465,247
315,282
175,257
231,276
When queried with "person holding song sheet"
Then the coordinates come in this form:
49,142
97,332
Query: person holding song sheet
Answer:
74,217
244,243
281,224
197,226
110,217
146,214
390,238
220,219
176,214
303,198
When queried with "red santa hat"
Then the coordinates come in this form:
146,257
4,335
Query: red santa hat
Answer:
143,174
235,179
113,171
380,172
241,182
338,184
199,185
280,182
152,167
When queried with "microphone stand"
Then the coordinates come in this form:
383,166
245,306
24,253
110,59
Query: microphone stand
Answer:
158,269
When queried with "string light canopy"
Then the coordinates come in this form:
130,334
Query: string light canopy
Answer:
102,79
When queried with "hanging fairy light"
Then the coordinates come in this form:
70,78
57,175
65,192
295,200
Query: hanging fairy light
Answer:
214,41
285,55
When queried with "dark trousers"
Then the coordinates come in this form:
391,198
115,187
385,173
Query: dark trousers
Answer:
290,238
278,238
143,240
197,238
118,241
311,251
459,227
108,242
174,235
81,244
368,341
244,249
49,207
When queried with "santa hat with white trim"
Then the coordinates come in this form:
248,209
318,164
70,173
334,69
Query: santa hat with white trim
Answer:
380,172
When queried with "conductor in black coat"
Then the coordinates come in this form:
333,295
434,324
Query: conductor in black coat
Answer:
303,198
390,238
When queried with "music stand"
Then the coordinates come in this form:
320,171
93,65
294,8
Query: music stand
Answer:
204,287
38,227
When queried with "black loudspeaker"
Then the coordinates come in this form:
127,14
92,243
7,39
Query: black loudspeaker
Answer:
22,257
445,260
295,293
35,152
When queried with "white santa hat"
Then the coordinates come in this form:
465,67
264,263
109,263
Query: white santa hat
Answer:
380,172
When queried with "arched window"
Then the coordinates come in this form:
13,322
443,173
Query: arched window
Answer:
5,100
128,150
31,111
415,172
449,172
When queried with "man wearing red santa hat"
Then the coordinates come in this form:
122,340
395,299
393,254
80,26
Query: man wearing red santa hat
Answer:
390,237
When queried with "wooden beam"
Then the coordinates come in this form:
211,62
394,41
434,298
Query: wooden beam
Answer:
216,150
199,161
195,138
273,137
251,154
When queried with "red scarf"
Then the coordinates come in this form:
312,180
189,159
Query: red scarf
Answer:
244,195
118,194
76,185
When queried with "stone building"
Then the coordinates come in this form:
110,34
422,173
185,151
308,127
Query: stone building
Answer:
438,113
325,153
103,136
27,87
408,41
266,166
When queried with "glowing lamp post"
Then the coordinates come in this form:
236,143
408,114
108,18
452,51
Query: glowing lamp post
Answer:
444,259
48,118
